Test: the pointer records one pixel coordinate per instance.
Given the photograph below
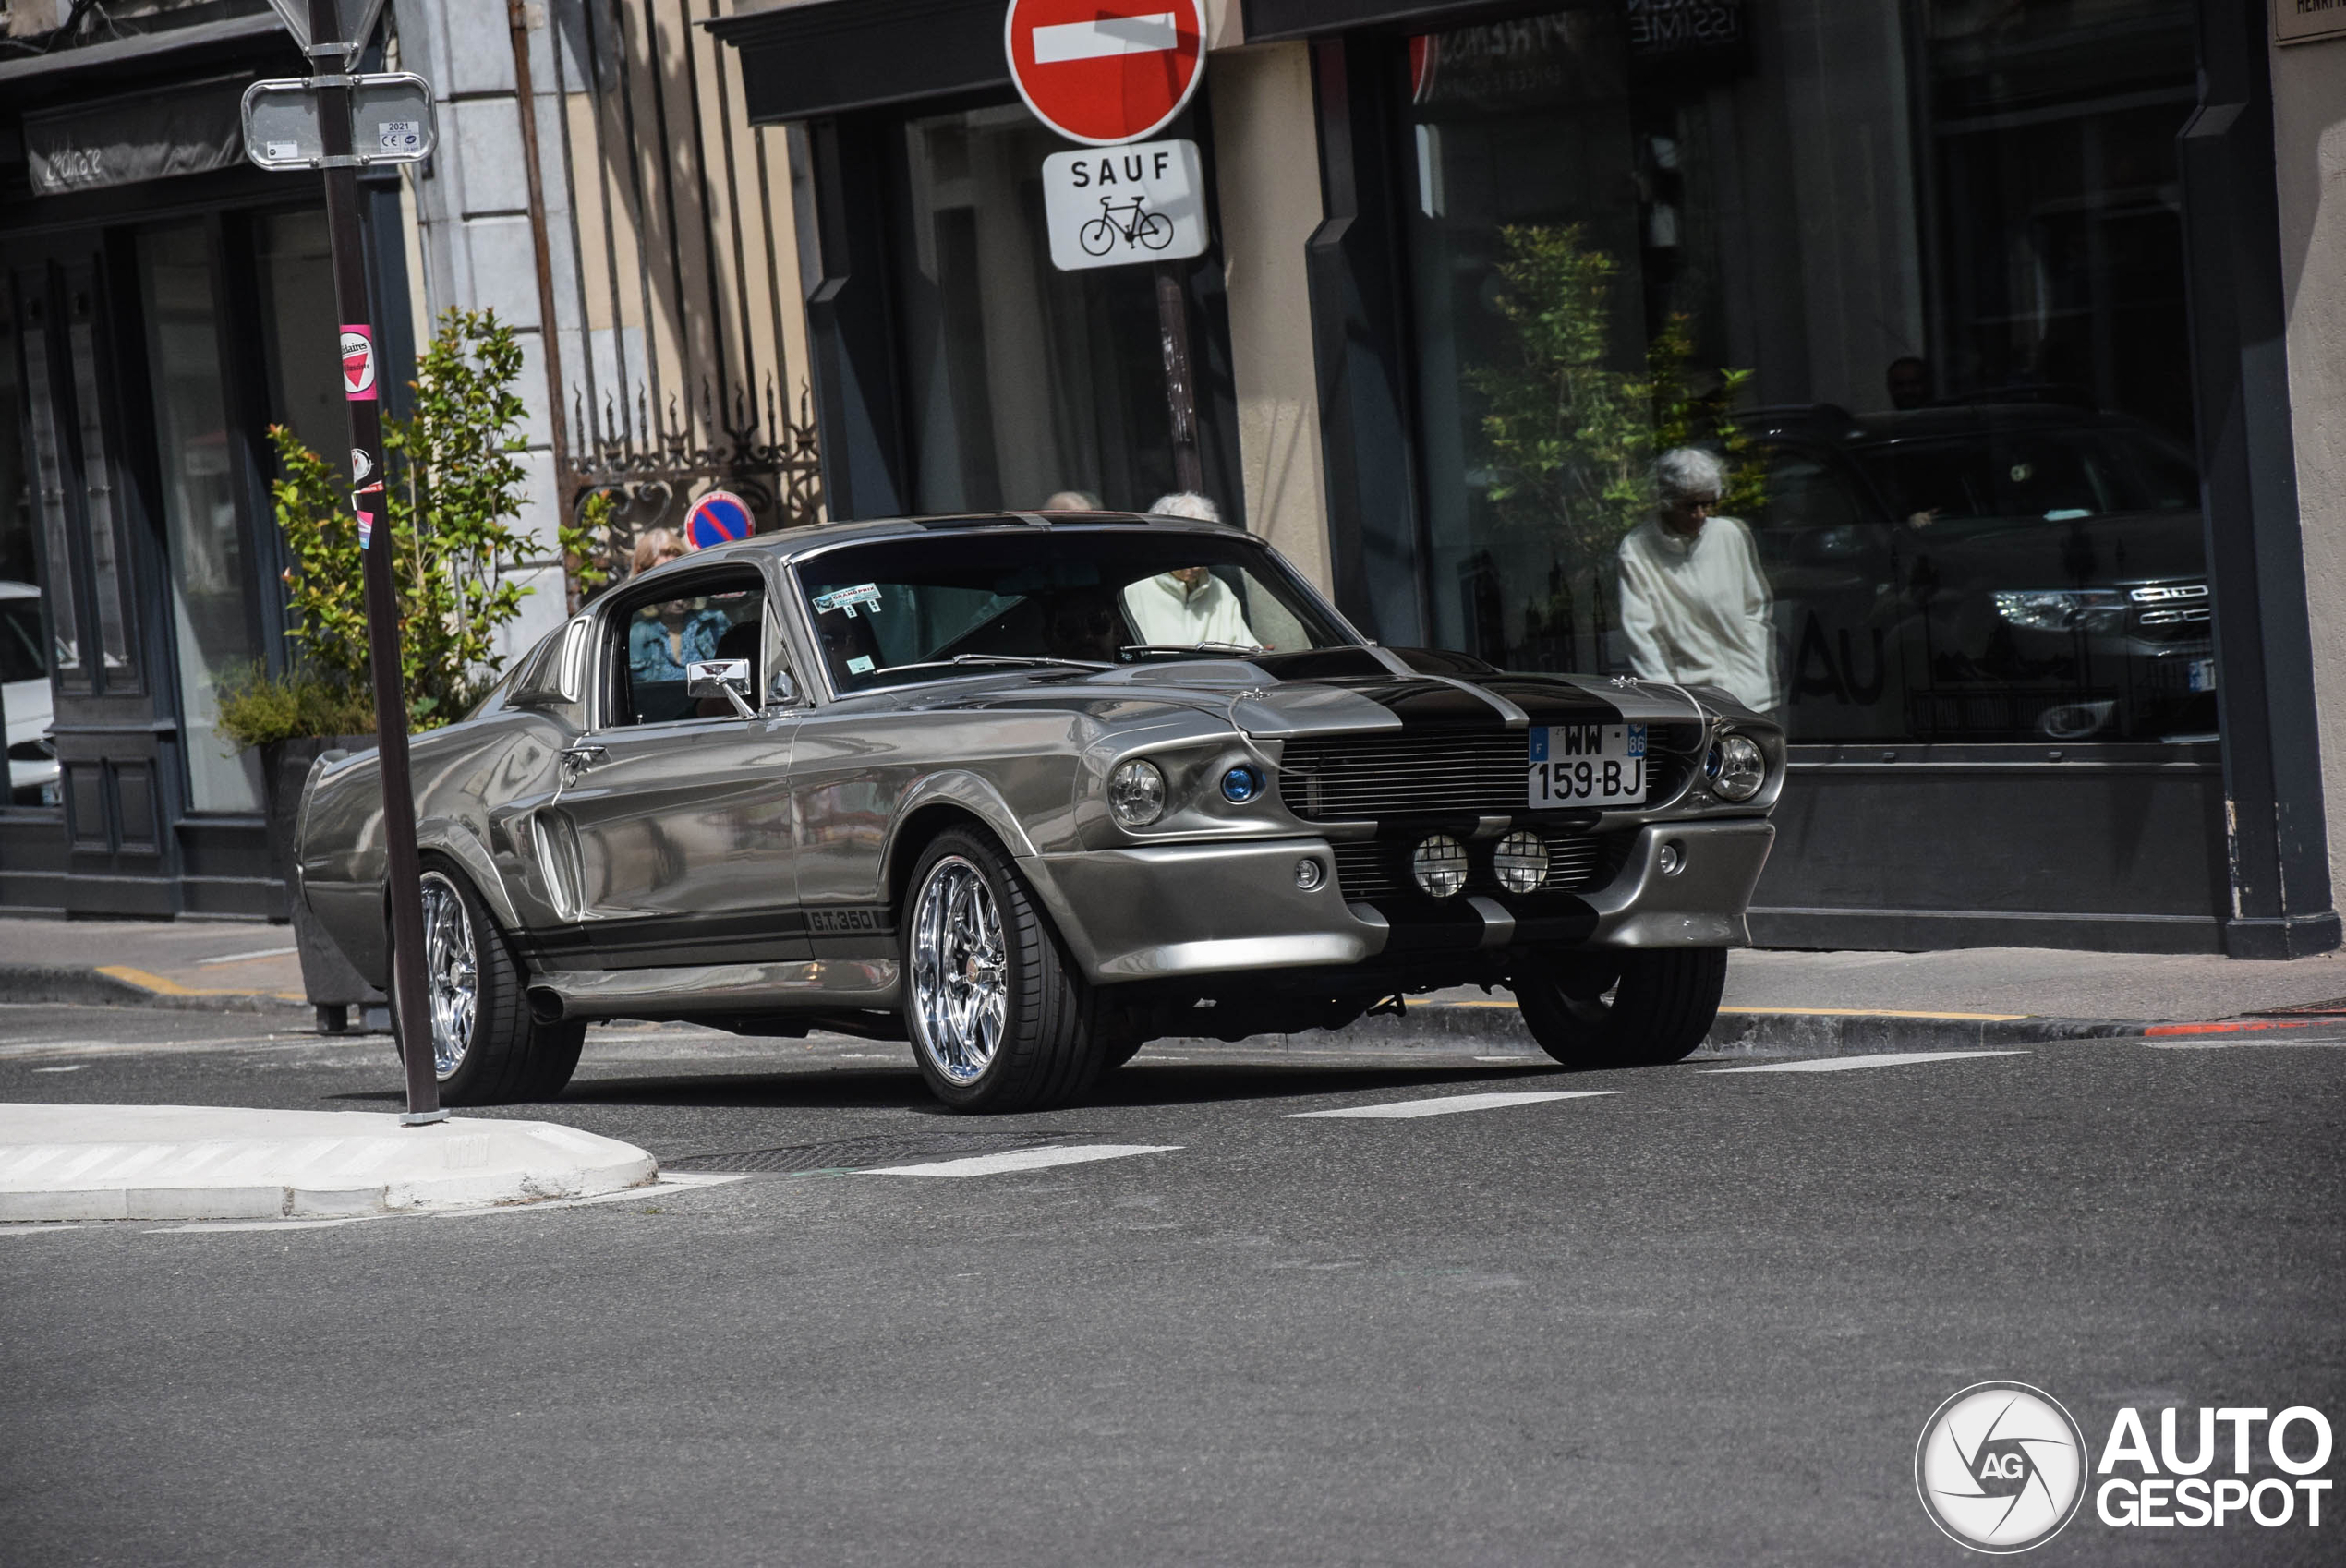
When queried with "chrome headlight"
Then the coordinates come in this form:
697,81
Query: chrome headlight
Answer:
1521,861
1440,865
1736,767
2062,609
1136,793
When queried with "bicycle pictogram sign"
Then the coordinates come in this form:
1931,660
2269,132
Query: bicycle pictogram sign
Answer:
1137,226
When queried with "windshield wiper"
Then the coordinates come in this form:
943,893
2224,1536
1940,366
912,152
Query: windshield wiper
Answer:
1247,648
1006,661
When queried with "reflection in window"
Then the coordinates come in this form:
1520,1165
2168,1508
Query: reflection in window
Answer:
1964,474
1025,380
212,610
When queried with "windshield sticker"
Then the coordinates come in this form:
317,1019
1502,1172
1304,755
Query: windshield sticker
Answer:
858,666
865,594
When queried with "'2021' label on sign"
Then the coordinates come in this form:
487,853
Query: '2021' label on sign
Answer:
1588,764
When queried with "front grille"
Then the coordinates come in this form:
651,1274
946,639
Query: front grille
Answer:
1356,777
1461,773
1379,868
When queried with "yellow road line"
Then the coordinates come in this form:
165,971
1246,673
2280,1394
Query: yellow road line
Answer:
148,980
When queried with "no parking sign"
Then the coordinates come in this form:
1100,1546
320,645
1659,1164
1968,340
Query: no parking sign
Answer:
718,518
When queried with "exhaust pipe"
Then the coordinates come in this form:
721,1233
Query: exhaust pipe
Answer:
545,1005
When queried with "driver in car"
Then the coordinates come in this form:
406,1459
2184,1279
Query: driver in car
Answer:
1188,605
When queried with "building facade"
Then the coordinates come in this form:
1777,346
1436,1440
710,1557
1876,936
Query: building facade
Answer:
162,302
2004,318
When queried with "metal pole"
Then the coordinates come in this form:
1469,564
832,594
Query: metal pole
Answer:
402,869
1181,390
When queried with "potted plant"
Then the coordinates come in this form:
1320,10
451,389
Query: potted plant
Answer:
451,497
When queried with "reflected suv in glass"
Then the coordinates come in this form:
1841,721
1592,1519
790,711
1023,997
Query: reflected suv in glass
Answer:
1989,572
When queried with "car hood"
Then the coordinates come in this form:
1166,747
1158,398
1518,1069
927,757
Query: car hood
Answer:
2107,551
1340,690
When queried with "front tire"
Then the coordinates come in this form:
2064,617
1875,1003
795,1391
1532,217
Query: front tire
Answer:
1000,1019
1639,1007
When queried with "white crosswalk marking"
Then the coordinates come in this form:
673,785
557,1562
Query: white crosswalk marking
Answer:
1402,1109
1024,1159
1851,1064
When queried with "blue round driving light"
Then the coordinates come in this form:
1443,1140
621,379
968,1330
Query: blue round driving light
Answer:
1241,784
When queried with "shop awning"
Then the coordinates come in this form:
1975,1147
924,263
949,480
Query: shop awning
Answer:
833,56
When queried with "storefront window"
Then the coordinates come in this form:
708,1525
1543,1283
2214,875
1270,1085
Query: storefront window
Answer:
212,619
1910,274
297,308
1024,382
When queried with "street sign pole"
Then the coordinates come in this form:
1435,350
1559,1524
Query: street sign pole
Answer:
362,386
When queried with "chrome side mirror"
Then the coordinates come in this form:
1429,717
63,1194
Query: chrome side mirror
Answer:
728,677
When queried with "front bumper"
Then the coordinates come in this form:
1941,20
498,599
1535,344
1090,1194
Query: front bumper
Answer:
1172,910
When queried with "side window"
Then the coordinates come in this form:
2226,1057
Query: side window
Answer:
693,619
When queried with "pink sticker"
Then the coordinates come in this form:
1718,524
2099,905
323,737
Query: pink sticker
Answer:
358,363
365,529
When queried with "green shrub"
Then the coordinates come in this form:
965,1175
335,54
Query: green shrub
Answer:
258,708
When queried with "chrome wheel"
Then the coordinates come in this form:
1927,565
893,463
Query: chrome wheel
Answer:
960,979
452,972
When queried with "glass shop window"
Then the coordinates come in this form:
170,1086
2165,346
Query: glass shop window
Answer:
1024,382
1919,303
657,638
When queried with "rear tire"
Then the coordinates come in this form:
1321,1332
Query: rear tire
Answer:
486,1050
999,1018
1658,1007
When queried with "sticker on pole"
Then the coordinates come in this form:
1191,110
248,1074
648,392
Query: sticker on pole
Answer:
718,518
1106,71
1117,205
358,363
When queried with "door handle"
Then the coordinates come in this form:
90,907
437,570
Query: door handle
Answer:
578,759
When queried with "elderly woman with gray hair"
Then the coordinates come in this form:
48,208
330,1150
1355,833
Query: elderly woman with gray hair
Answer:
1694,604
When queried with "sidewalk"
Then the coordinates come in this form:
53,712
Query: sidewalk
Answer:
228,966
1776,1000
191,1162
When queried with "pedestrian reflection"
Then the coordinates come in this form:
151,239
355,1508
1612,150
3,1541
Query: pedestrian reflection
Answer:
1694,604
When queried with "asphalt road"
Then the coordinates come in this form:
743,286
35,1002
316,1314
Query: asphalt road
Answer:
1697,1317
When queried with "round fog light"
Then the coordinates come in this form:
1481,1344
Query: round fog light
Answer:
1440,865
1240,785
1521,861
1309,873
1671,859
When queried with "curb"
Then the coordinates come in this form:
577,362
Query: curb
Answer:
119,985
1794,1032
80,1163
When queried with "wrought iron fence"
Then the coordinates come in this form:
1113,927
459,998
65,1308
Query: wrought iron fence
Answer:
683,288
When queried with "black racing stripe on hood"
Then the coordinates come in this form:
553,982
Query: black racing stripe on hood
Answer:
1428,705
1545,701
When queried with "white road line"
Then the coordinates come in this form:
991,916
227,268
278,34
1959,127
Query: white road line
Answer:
1851,1064
1401,1109
1105,38
1024,1159
76,1068
255,953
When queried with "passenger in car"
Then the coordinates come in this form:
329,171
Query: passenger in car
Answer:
1188,605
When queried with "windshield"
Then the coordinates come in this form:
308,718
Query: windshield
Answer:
945,604
2048,476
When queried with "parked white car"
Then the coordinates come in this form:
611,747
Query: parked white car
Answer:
24,696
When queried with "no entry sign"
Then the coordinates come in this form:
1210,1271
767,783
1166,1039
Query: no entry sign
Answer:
1106,71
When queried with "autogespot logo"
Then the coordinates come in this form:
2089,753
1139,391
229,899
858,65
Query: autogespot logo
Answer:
2001,1467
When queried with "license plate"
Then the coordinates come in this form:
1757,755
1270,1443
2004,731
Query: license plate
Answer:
1588,764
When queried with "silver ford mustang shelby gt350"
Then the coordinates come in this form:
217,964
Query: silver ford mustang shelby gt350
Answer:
1031,791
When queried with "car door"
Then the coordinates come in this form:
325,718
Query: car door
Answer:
678,809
